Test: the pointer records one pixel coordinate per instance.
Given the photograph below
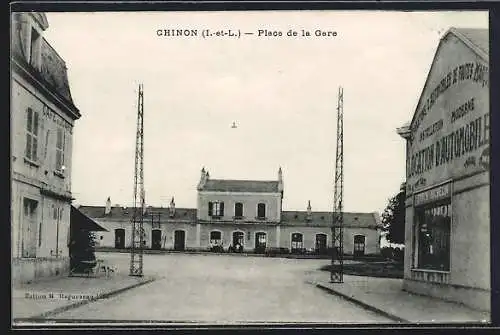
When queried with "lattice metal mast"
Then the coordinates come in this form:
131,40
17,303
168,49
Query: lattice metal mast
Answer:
337,270
137,245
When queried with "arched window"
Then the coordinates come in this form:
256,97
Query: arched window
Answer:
261,211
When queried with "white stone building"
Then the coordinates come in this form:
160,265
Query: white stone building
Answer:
42,120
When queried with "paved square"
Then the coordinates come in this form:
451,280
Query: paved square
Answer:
223,288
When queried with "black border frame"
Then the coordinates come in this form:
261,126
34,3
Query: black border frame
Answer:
127,6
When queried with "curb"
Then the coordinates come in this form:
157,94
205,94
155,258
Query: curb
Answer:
362,304
85,302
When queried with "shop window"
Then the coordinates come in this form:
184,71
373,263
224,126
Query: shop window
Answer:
432,235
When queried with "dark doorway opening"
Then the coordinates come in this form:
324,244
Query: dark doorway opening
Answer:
179,240
120,238
359,245
321,247
260,242
297,243
238,240
156,239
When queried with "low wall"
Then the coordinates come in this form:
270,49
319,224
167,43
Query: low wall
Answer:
478,299
27,270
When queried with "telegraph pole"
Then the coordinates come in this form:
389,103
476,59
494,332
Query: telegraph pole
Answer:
137,245
337,270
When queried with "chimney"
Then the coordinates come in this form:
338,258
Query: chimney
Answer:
309,213
280,180
203,179
171,211
107,211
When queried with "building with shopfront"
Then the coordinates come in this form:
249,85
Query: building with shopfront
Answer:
237,215
447,236
42,119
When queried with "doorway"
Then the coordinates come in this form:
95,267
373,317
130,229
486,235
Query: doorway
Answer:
297,243
179,240
260,242
238,240
321,248
120,238
359,245
156,239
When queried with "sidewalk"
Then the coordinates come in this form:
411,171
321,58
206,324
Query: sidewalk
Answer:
385,296
50,297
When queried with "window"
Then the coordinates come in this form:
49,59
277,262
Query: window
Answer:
31,135
29,241
238,210
215,237
261,211
60,144
216,208
432,230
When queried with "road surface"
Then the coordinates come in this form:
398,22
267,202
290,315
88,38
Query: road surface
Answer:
224,288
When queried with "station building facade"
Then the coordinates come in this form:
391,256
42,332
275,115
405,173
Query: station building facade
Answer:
247,213
42,120
447,237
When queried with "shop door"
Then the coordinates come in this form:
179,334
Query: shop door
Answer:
156,239
120,238
260,242
179,240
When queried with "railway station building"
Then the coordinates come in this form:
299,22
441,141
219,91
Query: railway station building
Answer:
239,215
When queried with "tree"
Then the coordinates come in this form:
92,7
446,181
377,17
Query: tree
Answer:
393,218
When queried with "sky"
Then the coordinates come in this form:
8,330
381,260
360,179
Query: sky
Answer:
282,92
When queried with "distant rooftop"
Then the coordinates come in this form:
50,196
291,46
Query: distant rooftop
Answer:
365,220
224,185
125,213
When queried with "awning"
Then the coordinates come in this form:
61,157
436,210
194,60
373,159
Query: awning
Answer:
83,222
